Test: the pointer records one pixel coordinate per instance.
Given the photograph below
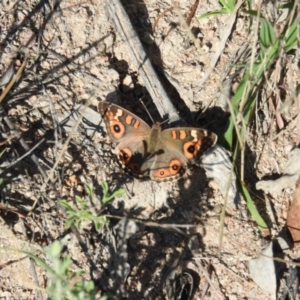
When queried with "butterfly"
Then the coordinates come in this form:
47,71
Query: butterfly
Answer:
151,152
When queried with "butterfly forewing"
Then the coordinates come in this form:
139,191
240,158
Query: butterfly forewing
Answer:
190,142
121,123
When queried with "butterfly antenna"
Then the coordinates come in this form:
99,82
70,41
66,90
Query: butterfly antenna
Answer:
167,120
147,111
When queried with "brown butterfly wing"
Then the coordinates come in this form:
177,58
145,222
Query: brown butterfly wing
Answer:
177,148
131,134
121,124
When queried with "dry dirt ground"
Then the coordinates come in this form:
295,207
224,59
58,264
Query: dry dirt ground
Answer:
74,55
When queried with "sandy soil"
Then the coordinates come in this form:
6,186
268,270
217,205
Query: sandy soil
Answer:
75,55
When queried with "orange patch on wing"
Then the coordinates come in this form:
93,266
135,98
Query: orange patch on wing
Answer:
191,149
128,119
110,115
136,124
117,129
125,156
162,173
182,134
174,135
174,168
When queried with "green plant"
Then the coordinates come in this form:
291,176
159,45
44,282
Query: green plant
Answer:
244,100
85,213
60,276
227,7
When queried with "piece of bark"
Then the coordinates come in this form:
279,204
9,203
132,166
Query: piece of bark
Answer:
118,16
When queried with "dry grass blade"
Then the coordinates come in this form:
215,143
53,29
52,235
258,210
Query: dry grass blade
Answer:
217,294
159,17
192,12
14,79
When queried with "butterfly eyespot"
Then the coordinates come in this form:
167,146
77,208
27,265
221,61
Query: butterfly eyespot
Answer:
136,168
175,167
125,155
117,128
172,170
191,149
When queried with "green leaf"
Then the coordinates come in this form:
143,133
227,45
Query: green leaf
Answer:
253,13
248,110
118,193
266,34
288,5
252,208
89,189
104,187
65,204
290,36
54,249
213,13
76,273
80,201
229,134
98,226
108,198
229,5
85,215
69,223
40,262
61,284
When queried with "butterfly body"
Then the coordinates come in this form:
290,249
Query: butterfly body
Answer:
145,151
